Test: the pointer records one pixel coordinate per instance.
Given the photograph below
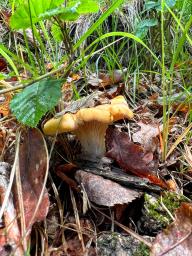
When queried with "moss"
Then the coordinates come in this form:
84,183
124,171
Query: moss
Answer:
142,250
154,206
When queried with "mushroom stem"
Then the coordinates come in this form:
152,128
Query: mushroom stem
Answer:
92,138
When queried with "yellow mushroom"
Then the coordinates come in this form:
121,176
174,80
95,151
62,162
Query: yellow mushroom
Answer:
90,125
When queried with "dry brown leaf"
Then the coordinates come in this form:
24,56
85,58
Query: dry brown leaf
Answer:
103,80
146,136
2,140
33,164
109,79
105,192
176,240
4,104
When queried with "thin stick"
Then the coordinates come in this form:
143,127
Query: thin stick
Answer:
176,244
129,231
22,86
11,178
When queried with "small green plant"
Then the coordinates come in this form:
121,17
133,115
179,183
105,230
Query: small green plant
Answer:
159,208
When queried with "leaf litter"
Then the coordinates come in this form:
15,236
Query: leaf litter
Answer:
176,239
103,191
29,197
136,153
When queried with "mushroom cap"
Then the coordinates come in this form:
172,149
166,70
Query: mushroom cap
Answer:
66,123
106,114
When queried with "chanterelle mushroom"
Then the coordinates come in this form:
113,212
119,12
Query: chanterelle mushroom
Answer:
90,124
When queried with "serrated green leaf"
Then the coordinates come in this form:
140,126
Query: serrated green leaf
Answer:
34,101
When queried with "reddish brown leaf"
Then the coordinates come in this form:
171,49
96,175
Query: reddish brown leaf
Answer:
3,65
176,240
33,165
129,156
103,191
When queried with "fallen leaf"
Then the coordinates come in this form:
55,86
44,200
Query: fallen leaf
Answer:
2,139
115,90
4,104
114,77
103,80
182,107
75,248
10,235
33,164
130,156
146,136
188,155
3,65
105,192
176,240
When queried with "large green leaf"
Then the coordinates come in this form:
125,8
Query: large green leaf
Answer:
66,13
34,101
39,10
25,12
84,6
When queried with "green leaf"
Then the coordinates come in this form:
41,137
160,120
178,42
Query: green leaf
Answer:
84,6
34,101
157,4
143,27
39,10
68,14
56,33
21,17
151,5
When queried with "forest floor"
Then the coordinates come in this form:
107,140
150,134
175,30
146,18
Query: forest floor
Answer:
110,174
